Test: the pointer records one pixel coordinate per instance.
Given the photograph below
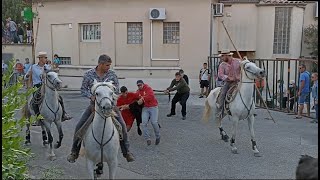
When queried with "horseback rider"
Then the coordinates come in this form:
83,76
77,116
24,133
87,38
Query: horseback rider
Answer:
36,71
101,73
229,71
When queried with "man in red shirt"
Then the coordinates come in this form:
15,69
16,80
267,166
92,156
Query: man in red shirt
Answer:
129,107
150,110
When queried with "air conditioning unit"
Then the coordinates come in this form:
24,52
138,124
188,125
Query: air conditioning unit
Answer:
316,10
157,14
218,9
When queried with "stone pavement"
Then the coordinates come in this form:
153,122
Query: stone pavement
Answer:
189,148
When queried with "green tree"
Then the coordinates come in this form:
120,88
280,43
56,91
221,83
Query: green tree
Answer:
311,39
14,154
13,8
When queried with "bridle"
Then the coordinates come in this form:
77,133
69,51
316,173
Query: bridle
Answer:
243,67
104,117
53,89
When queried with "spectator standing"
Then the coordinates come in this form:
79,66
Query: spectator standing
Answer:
26,66
293,89
29,34
304,90
13,30
314,78
56,61
282,91
18,67
185,77
204,79
20,33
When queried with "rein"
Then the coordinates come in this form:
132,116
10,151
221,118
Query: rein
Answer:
252,102
169,95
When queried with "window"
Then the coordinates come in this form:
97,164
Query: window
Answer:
90,32
171,33
134,33
65,60
282,30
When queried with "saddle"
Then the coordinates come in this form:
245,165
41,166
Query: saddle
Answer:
82,131
230,96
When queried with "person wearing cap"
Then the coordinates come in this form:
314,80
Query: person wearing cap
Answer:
36,72
182,95
130,109
185,77
149,111
229,71
204,79
101,73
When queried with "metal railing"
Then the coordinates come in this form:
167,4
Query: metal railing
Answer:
279,74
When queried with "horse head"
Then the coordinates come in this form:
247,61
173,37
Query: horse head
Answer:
52,80
251,70
105,95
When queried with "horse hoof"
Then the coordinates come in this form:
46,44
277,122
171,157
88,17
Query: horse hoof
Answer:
234,151
52,158
56,146
257,155
27,143
225,138
45,143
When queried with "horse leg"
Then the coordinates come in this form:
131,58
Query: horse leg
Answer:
90,167
50,140
113,168
59,127
254,145
28,137
44,135
223,133
233,136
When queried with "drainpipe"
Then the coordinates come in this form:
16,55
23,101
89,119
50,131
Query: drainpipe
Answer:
212,63
301,43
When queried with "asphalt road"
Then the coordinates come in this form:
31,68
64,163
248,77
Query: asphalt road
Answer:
189,148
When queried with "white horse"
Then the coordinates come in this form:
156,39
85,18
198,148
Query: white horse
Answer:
101,141
49,108
241,107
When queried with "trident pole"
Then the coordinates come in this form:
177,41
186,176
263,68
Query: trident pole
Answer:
242,59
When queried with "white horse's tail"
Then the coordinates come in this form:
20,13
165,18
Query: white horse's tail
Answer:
207,111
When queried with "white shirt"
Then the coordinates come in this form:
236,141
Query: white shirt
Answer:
204,73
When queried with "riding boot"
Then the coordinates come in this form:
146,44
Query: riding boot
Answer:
75,150
125,152
65,115
37,112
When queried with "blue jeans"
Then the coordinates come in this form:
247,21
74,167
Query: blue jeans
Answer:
152,113
304,98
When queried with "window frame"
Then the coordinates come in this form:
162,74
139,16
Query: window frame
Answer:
134,35
282,30
166,33
82,25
